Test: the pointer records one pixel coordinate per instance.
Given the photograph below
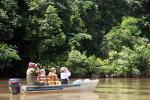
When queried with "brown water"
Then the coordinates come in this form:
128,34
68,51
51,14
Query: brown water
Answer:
108,89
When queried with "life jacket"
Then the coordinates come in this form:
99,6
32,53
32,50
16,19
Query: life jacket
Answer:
42,78
53,79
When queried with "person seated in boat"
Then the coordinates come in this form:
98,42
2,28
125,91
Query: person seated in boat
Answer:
64,75
31,74
53,78
42,77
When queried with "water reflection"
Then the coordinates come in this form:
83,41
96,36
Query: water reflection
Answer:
57,96
124,89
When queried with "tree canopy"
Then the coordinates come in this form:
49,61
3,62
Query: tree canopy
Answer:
91,37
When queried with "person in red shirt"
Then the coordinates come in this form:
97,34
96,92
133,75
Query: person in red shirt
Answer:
42,77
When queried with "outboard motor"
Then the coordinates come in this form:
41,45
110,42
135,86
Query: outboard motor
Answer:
14,85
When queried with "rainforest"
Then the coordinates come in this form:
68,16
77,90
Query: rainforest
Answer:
93,38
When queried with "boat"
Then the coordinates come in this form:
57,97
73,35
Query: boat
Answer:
77,85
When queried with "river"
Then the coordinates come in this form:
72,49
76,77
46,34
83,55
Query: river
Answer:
108,89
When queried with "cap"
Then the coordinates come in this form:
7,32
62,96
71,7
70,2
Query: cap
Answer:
32,65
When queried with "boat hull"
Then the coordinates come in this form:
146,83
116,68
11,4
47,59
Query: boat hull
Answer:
84,86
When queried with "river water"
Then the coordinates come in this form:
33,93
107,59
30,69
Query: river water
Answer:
108,89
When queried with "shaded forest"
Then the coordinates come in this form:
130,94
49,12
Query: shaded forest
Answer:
93,38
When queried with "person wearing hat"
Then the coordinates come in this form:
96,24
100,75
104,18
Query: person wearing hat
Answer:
52,77
64,75
31,74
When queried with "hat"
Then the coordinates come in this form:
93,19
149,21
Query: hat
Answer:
63,69
32,65
52,69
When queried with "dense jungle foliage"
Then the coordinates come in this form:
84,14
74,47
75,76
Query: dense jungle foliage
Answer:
93,38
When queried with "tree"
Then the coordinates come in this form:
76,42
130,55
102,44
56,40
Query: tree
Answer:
8,19
7,54
128,53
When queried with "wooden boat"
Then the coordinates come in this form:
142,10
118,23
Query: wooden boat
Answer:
78,85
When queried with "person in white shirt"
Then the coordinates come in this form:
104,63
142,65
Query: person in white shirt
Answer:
64,75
